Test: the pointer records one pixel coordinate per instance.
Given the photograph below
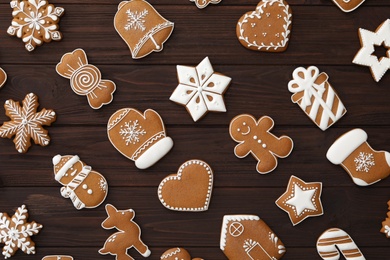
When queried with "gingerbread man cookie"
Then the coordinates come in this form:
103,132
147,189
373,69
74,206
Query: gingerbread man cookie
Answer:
26,123
83,186
16,232
129,234
348,5
268,28
254,138
203,3
3,77
35,21
86,79
176,254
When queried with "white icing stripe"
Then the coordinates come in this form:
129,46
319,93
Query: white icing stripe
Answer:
170,254
80,177
67,192
66,167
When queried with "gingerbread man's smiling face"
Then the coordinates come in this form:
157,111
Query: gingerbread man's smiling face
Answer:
241,127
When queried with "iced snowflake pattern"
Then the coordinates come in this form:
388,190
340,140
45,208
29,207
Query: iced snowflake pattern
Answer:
15,232
364,162
35,21
136,20
131,132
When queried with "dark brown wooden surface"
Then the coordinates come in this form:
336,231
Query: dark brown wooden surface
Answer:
322,35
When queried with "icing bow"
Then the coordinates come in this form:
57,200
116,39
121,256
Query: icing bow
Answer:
304,80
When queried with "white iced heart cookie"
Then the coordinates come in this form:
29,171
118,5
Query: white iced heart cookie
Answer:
268,28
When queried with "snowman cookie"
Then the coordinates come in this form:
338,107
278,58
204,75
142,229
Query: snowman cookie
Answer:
83,186
268,28
254,138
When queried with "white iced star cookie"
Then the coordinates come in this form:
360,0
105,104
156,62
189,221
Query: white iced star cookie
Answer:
366,56
301,200
200,89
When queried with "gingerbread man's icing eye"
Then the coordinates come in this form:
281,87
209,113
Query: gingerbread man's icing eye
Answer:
238,129
248,131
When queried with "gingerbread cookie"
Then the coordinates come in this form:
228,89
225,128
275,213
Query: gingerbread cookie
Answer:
254,138
35,21
86,79
176,254
203,3
139,137
26,123
316,97
348,5
366,55
83,186
268,28
3,77
57,257
365,165
200,89
129,234
142,28
333,239
301,200
16,232
249,237
386,223
188,190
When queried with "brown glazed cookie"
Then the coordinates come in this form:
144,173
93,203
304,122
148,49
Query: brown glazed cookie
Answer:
3,77
348,5
177,254
57,257
26,123
203,3
249,237
386,223
86,79
188,190
142,28
83,186
268,28
16,232
35,21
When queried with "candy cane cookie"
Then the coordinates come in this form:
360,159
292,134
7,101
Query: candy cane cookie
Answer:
333,239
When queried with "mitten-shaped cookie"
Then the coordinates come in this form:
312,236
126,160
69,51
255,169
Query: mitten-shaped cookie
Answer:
254,137
365,165
139,137
83,186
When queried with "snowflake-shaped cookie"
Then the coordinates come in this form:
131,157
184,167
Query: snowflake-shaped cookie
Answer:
200,89
366,56
16,232
26,123
35,21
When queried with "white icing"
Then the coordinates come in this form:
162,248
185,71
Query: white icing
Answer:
364,162
5,77
236,229
135,20
203,3
154,153
58,257
345,145
302,199
236,218
61,172
200,89
349,9
131,132
335,237
366,56
177,250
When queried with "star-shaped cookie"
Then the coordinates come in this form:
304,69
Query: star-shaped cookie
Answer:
301,200
366,56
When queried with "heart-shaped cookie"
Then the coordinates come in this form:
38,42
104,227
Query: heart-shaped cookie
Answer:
348,5
267,28
188,190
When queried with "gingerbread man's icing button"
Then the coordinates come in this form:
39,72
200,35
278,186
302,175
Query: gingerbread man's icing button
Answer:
254,138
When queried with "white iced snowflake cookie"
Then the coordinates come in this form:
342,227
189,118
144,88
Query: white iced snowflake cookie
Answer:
200,89
16,232
141,137
268,28
365,165
366,55
83,186
203,3
142,28
35,21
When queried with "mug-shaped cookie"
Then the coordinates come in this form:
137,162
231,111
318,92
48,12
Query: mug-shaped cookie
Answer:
139,137
348,5
142,28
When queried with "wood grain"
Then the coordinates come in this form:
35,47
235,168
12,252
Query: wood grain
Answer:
322,35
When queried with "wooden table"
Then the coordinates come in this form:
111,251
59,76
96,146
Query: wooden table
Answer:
322,35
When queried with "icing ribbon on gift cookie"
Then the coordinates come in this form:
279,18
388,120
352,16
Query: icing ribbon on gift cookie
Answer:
129,234
335,238
83,186
254,138
86,79
35,21
3,77
203,3
316,97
